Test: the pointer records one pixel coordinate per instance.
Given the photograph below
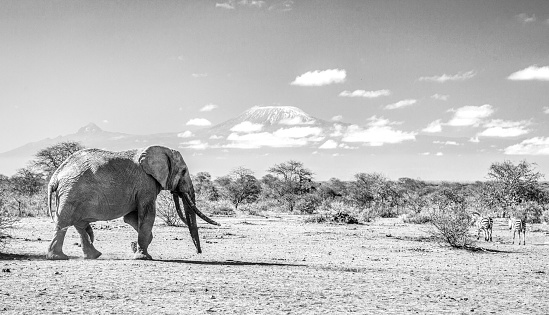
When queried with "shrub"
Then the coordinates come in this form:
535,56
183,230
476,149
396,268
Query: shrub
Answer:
335,212
545,216
6,222
220,207
307,204
165,209
250,209
532,211
452,225
417,218
268,205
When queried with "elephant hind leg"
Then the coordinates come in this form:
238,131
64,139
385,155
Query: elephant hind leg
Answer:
55,250
86,236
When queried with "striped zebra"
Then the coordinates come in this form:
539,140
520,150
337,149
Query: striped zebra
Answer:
484,224
517,225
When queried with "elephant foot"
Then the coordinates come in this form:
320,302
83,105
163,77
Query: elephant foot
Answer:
92,254
56,256
142,256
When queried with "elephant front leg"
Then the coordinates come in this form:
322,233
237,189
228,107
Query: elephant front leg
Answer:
132,220
144,232
55,250
86,237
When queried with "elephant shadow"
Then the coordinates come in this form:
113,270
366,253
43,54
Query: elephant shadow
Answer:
230,263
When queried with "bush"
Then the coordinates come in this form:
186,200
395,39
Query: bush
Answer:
531,210
6,222
220,207
307,204
165,209
417,218
545,216
268,205
451,225
335,212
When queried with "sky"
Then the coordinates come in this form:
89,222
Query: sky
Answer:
470,76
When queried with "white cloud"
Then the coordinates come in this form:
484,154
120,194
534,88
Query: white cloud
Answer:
263,139
345,146
446,142
470,115
440,97
533,146
340,118
297,120
298,132
433,127
439,154
194,144
337,130
198,122
282,138
105,121
199,75
185,134
531,73
208,108
252,3
503,129
329,144
378,133
230,5
461,76
525,18
320,78
426,153
247,127
215,137
366,94
282,6
400,104
375,121
546,109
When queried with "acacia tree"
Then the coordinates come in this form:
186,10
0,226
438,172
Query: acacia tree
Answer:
49,159
288,181
204,186
240,186
25,187
514,184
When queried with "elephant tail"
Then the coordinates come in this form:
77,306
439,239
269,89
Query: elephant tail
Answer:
52,188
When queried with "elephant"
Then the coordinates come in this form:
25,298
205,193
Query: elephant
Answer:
97,185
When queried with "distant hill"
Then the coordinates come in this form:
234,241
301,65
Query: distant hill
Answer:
262,136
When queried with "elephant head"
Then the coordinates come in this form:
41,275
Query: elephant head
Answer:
169,169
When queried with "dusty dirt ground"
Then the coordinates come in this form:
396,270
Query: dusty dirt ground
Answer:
276,265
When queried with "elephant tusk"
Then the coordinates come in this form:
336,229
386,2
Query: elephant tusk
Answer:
178,209
191,204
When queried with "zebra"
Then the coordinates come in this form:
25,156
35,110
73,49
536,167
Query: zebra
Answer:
517,225
484,224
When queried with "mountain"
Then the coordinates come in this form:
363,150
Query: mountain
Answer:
262,136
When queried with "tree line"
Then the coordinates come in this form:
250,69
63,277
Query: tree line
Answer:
509,189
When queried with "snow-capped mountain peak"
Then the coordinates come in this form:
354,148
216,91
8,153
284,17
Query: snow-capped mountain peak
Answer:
89,128
270,115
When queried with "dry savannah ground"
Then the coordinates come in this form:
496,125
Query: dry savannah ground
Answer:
276,265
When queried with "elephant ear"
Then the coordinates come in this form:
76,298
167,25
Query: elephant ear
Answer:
157,162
